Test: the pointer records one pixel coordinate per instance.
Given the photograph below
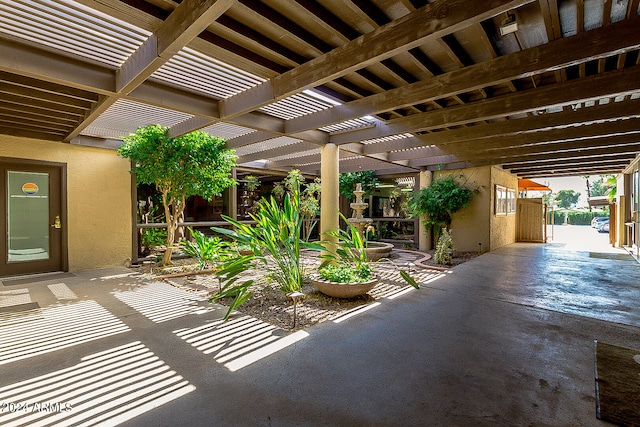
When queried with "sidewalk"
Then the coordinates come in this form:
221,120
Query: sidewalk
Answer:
503,339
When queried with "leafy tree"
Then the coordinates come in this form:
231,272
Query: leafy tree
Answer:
444,197
192,164
349,180
612,187
566,198
598,187
604,186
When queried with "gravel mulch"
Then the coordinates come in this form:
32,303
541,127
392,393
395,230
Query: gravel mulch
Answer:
271,305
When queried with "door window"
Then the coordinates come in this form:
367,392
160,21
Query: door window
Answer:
27,216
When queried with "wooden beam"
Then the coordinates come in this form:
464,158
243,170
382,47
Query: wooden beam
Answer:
39,64
276,152
187,20
610,111
550,152
594,158
248,139
607,85
429,151
430,22
586,169
571,172
599,43
553,136
191,124
622,143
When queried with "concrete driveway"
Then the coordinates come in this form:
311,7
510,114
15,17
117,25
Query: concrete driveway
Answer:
504,339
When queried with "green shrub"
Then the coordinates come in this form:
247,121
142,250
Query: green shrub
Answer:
346,273
583,218
205,249
558,217
154,237
444,248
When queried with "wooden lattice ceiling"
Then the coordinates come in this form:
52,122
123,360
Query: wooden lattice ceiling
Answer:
400,85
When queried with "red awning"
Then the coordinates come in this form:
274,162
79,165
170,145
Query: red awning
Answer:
528,185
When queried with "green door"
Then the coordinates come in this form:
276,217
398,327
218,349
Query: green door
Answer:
34,224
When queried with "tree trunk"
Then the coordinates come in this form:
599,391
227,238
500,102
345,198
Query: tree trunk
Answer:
171,229
172,223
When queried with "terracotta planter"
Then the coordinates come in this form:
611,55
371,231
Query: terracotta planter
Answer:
343,290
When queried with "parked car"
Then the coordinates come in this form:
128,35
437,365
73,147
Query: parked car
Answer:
597,220
603,227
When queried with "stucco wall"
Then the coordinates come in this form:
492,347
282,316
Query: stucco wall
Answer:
471,227
503,227
98,199
476,227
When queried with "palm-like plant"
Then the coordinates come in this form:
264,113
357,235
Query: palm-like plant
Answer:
205,249
275,244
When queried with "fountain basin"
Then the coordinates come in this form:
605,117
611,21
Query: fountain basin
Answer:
377,250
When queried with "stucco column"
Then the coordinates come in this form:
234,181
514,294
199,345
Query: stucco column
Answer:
424,236
330,186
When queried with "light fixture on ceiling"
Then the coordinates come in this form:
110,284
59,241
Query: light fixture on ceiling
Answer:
508,25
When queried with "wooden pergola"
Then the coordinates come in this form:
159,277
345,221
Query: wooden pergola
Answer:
400,86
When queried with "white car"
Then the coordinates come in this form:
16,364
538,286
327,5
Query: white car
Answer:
598,220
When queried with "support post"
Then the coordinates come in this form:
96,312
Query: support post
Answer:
424,241
330,186
233,196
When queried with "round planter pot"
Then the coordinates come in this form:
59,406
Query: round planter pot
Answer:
343,290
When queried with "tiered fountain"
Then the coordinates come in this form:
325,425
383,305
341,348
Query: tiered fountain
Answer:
374,250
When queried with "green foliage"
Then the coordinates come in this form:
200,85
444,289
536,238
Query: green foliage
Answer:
583,218
347,258
603,186
438,202
349,250
348,181
611,183
566,198
558,217
345,273
309,205
444,248
205,249
252,183
310,199
275,247
154,237
192,164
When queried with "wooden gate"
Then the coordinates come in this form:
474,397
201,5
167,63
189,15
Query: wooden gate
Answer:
530,220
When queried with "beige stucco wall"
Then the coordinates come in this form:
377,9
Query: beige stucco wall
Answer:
470,226
99,225
476,227
503,227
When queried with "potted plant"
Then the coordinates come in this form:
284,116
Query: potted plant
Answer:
346,271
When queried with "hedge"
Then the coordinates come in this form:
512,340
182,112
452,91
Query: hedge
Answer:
583,218
558,217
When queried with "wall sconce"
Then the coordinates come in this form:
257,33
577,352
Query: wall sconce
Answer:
508,25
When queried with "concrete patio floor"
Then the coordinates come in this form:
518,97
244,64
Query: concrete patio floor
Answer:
504,339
